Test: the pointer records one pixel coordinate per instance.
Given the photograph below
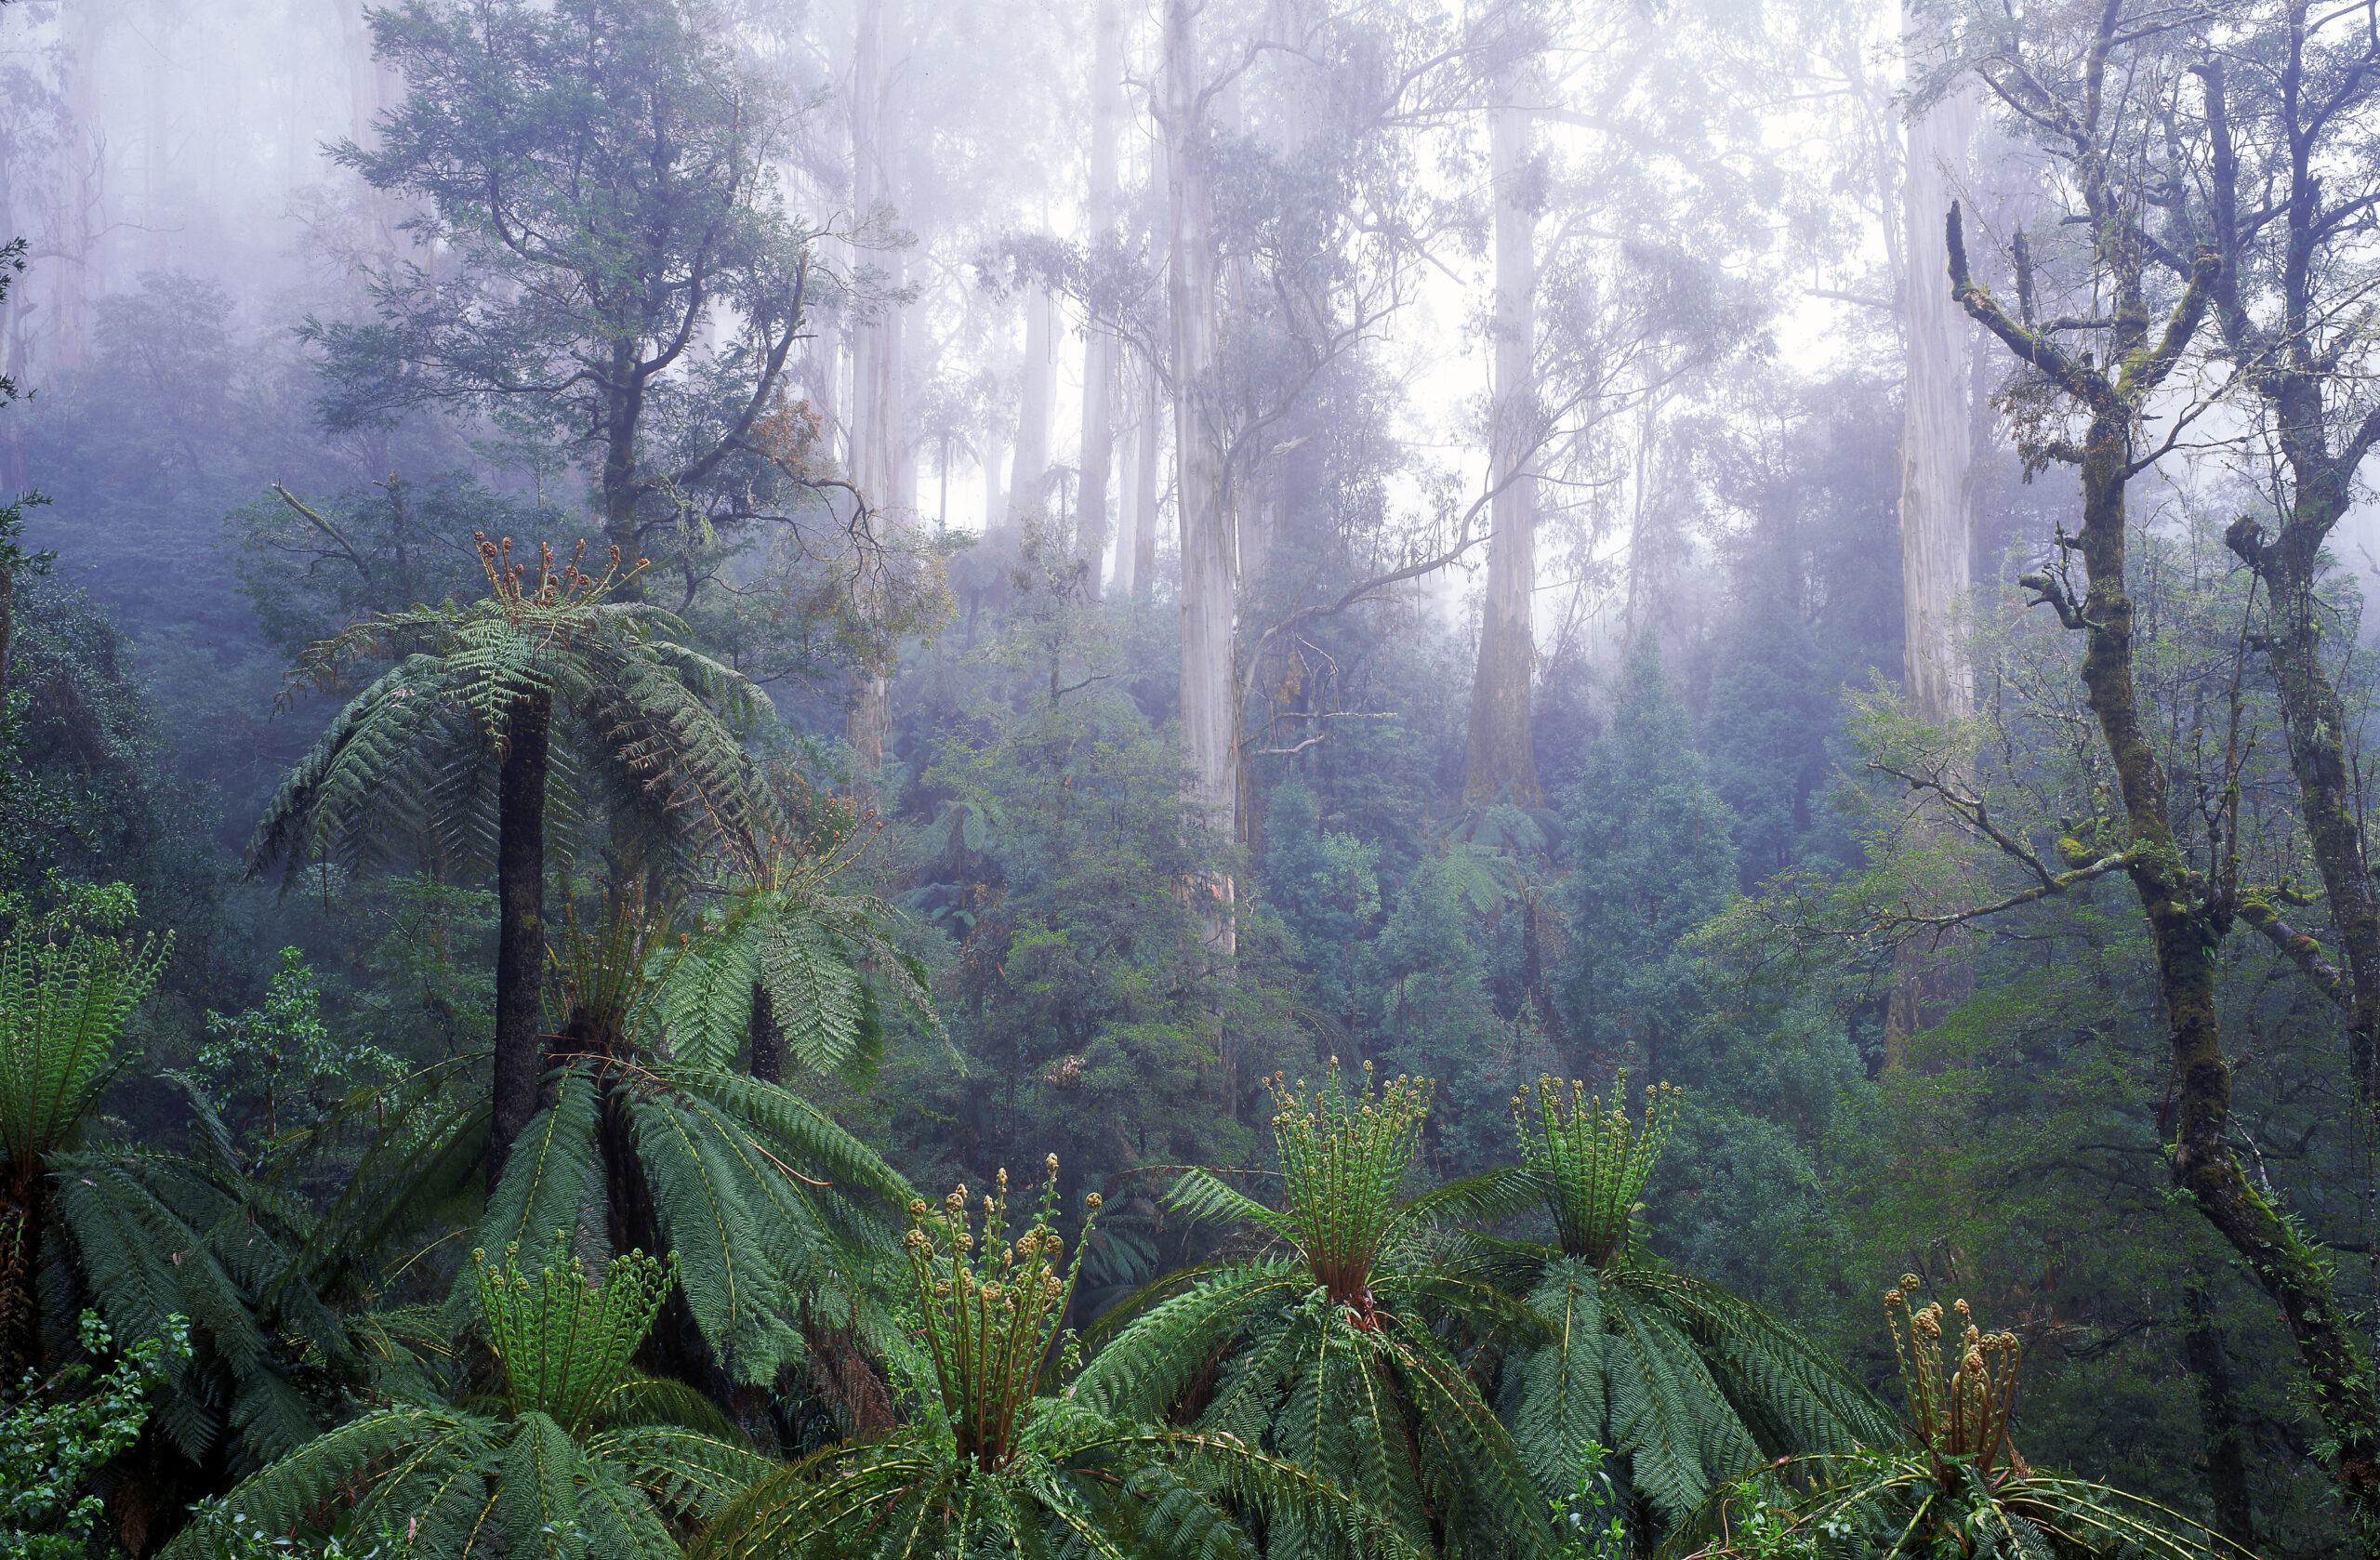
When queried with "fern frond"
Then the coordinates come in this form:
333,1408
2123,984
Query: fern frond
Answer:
1147,1365
1202,1194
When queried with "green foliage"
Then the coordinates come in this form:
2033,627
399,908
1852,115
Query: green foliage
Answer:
564,1341
63,1015
285,1043
1651,858
995,1467
1959,1487
582,1459
1593,1164
54,1435
1332,1359
415,753
818,954
763,1199
992,1308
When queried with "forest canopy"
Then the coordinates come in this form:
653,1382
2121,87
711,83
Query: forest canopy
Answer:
1188,780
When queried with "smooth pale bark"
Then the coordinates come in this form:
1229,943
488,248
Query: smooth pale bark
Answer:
1935,446
1154,404
1092,524
1209,708
521,926
1147,464
1030,471
1937,450
1499,761
1128,485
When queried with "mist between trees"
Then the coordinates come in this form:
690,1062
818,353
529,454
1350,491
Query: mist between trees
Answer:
1597,769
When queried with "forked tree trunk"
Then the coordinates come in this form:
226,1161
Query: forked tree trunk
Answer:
520,927
1500,761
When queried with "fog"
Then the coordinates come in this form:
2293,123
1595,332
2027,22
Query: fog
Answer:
983,579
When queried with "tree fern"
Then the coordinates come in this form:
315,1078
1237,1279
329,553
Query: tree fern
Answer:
993,1467
568,1466
1956,1484
795,967
492,715
1329,1357
63,1013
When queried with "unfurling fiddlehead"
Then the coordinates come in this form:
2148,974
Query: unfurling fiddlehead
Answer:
564,1340
1962,1397
992,1308
1345,1160
1593,1162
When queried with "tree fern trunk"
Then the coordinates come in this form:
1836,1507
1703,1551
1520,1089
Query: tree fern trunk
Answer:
675,1348
21,1230
767,1038
521,926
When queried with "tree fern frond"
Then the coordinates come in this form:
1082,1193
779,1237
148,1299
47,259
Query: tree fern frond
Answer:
1145,1367
1200,1194
687,1472
537,1489
547,1175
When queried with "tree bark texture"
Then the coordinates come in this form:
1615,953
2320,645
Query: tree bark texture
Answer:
1499,761
1937,447
520,927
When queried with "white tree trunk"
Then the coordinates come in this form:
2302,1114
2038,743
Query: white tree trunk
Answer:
1935,454
879,440
1029,473
1499,762
1936,465
1209,708
1101,350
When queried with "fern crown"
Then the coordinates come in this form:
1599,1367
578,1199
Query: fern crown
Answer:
564,1339
1591,1164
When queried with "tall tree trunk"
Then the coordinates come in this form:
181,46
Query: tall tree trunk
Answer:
520,927
1500,761
879,440
1029,471
1937,445
1101,350
1210,701
1147,464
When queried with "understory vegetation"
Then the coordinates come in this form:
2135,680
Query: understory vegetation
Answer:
1649,844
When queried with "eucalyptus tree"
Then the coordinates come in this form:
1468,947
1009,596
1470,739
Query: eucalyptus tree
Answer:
492,715
599,171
